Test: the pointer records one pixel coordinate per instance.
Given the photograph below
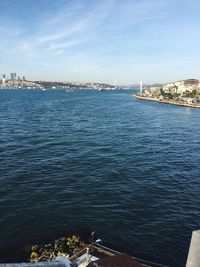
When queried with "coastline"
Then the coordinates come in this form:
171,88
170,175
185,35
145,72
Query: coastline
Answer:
170,102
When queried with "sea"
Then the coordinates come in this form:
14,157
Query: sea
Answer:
73,162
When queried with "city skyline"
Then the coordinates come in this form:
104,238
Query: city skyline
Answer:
104,41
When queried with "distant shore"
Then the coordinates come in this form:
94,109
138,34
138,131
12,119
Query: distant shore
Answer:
171,102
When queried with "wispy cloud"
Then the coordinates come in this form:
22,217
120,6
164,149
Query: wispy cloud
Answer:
102,34
61,51
69,43
79,22
66,29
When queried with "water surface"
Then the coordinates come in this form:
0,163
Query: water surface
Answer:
74,161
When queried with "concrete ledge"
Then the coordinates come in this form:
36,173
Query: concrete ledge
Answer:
193,259
170,102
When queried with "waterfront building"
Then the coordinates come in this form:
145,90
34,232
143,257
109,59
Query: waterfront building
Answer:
13,76
182,87
3,80
188,85
171,88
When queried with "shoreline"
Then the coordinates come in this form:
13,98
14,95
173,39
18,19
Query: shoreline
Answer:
170,102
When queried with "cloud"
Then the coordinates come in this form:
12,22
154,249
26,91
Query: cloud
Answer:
66,28
77,27
79,22
58,52
100,34
66,44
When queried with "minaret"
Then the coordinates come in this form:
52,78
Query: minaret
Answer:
141,87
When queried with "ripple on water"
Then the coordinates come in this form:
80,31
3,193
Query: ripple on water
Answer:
128,168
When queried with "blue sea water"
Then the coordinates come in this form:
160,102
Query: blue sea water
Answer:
75,161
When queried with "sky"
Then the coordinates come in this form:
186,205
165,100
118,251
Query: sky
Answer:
154,41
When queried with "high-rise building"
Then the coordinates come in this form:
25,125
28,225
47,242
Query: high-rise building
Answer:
3,80
13,76
23,78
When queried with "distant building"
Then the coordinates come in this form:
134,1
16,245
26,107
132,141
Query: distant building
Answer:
13,76
3,80
170,88
188,85
181,87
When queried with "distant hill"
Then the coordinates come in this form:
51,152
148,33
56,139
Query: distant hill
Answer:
191,81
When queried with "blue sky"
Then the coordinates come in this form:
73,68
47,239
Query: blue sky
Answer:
101,40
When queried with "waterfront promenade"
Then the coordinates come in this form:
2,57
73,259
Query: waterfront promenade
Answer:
171,102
